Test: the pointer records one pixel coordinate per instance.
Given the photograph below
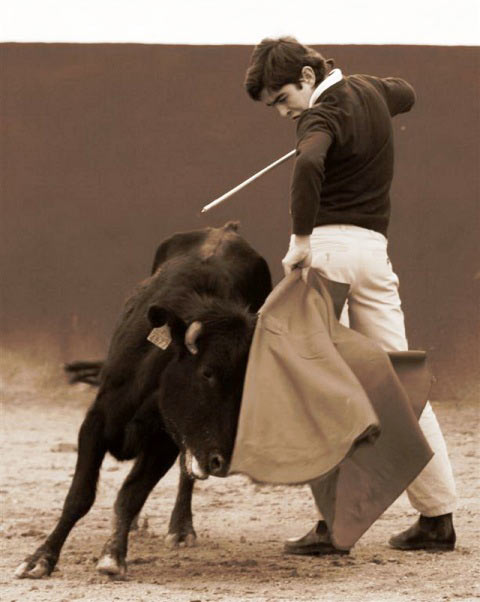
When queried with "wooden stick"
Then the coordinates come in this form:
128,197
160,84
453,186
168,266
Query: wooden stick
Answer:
228,194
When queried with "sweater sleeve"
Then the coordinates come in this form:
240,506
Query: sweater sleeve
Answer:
399,95
307,180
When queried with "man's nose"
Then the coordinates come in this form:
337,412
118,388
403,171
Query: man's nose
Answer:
283,110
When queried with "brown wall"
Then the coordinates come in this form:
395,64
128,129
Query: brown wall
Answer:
109,148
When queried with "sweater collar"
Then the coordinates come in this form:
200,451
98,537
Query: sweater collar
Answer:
333,78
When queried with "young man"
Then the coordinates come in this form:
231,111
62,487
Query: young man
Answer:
340,210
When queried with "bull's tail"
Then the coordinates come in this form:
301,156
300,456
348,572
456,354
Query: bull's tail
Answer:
84,372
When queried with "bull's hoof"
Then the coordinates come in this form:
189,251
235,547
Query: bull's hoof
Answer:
108,565
178,540
33,569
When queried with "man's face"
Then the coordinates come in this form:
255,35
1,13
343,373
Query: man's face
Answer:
291,100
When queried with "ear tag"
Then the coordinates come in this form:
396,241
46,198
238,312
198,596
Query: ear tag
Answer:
160,337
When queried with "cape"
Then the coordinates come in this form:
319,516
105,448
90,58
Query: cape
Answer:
324,405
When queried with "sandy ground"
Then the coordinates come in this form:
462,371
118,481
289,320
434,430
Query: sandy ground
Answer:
240,525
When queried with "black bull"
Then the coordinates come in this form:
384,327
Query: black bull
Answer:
205,289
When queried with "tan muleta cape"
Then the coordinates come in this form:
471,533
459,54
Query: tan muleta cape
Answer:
323,404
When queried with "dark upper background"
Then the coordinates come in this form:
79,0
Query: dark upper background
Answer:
109,148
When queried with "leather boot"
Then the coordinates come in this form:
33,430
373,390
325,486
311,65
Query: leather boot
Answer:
428,533
314,543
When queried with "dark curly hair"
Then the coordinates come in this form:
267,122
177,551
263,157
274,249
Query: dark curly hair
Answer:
276,62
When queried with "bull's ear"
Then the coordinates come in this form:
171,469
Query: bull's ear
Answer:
157,316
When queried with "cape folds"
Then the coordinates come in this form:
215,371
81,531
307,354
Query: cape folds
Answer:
323,404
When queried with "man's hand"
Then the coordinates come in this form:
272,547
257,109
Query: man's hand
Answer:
299,254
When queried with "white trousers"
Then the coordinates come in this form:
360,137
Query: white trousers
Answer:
359,257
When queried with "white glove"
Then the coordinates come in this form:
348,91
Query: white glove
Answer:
299,254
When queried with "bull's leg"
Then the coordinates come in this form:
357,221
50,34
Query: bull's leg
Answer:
180,528
79,500
135,526
148,469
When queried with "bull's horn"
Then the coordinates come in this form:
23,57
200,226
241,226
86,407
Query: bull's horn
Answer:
191,336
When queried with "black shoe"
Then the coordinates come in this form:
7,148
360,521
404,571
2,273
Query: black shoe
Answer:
428,533
315,542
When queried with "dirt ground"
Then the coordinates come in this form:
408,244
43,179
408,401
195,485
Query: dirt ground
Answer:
240,526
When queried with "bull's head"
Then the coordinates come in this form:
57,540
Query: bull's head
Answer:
201,387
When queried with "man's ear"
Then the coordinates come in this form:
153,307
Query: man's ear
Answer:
308,75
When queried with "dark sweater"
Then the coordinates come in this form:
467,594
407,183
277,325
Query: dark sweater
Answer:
344,161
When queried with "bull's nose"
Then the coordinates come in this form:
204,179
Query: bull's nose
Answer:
216,464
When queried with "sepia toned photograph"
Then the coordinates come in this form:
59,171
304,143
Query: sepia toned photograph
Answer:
240,301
